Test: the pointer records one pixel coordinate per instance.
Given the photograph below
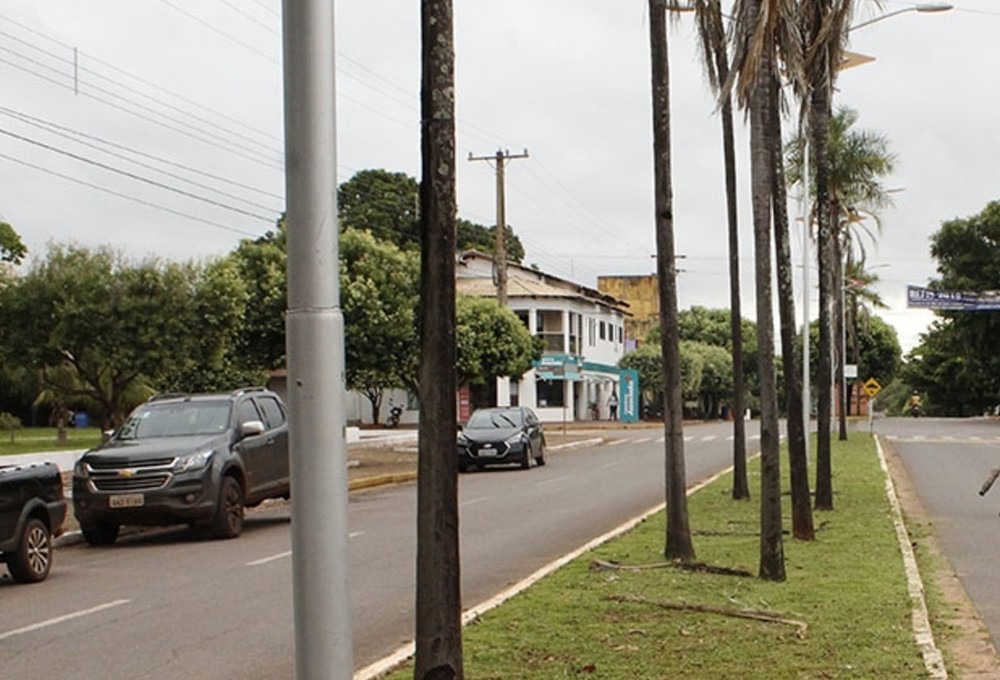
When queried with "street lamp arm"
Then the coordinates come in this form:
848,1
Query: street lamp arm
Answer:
923,7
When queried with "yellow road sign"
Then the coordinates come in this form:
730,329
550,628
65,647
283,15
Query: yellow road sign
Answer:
871,387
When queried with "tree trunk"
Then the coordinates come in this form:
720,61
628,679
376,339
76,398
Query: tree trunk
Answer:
819,123
741,485
802,523
772,558
839,318
439,601
679,544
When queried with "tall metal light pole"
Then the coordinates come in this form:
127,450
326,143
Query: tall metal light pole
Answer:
315,348
925,7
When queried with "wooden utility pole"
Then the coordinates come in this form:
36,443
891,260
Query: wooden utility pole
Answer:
500,256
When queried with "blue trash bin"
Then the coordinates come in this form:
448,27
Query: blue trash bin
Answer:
82,420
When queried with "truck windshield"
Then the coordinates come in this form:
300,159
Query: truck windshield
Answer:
176,420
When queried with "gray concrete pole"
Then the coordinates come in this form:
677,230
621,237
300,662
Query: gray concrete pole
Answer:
315,347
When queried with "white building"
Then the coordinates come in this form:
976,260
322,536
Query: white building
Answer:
584,333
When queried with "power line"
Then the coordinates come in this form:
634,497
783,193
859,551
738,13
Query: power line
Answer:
131,175
138,79
127,197
67,133
179,130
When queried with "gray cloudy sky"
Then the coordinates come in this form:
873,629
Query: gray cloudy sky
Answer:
155,126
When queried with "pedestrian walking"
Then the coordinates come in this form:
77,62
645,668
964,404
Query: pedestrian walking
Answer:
613,406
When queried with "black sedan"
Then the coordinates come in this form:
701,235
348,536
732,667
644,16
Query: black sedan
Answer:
501,436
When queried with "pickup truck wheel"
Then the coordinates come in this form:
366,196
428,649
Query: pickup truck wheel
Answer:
228,520
32,559
100,533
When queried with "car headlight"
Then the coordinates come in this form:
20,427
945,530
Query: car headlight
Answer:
514,439
463,440
193,462
81,469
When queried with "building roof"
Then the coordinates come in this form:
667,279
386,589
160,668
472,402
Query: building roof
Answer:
525,282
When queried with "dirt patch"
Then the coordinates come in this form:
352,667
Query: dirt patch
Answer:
958,630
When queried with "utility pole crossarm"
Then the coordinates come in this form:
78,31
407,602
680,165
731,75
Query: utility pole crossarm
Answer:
500,256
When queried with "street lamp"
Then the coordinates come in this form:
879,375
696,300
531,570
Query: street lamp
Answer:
925,7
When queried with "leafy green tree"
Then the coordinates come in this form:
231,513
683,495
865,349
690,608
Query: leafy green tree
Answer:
492,342
263,266
715,387
382,202
472,236
956,366
11,248
103,332
379,292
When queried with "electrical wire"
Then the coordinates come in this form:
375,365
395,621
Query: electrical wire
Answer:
112,192
81,138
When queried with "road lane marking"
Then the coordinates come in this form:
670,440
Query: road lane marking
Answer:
554,479
642,441
62,619
288,553
709,438
272,558
613,464
472,501
616,442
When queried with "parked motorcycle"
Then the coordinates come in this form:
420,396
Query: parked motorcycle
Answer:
395,413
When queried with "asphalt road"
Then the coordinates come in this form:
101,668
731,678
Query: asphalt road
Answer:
173,604
947,461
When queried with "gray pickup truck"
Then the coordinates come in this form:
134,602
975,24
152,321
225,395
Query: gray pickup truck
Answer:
32,511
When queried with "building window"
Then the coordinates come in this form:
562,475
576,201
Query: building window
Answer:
603,332
574,333
550,329
522,314
551,394
591,332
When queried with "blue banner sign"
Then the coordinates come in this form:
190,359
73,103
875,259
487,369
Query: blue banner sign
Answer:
929,298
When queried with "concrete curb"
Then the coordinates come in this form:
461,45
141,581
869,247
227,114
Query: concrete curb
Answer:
933,660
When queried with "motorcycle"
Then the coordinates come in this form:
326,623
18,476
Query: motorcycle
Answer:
395,412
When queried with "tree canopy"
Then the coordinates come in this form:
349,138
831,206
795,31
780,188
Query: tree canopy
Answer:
956,365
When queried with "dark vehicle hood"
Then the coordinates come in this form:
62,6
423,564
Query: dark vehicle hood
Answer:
126,450
492,434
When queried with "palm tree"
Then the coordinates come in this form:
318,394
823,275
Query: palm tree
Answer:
439,598
857,161
715,57
678,543
825,25
761,35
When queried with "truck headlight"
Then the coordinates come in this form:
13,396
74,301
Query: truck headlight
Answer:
196,461
81,469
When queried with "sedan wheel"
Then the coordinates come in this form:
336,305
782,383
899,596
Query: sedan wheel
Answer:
540,458
526,458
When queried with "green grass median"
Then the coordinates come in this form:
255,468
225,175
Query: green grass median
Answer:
843,612
41,439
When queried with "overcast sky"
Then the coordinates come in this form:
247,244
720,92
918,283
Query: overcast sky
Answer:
155,126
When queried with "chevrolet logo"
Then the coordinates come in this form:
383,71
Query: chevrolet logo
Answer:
128,473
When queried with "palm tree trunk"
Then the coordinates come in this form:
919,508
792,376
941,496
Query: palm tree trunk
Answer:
678,539
439,598
772,558
802,524
819,123
741,485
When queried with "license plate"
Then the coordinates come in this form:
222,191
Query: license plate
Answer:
127,500
487,452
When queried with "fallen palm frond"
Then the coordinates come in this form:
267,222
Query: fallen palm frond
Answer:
753,614
701,567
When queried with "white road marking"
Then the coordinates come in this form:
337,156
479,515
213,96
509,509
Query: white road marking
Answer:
472,501
288,553
272,558
554,479
642,441
616,463
616,442
709,438
62,619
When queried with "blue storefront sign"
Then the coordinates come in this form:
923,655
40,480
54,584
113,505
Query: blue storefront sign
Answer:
628,406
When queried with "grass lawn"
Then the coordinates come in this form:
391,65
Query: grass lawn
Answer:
844,607
38,439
